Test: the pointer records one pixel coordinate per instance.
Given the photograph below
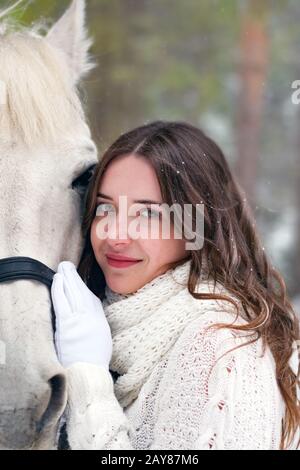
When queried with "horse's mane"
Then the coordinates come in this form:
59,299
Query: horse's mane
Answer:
38,100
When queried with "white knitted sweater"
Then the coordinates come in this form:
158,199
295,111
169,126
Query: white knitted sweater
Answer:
175,391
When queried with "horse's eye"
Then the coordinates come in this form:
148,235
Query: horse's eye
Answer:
81,183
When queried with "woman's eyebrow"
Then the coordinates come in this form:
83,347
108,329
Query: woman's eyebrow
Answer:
104,196
138,201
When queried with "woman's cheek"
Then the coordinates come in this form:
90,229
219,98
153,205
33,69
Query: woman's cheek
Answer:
98,231
94,237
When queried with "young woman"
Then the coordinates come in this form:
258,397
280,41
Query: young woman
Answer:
170,345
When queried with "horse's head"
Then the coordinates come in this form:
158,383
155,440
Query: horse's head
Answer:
45,146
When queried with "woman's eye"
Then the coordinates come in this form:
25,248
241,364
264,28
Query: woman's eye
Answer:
149,213
104,208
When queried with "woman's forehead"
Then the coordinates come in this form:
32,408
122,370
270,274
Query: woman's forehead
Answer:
132,176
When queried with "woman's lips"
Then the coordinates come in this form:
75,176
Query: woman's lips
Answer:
120,263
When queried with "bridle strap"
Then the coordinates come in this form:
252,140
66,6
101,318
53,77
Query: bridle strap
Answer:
21,267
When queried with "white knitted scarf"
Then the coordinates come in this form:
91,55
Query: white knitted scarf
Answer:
145,325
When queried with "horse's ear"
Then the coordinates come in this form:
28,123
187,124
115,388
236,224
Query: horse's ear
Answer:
69,34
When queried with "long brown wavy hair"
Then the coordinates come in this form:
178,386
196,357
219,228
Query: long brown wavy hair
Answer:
192,169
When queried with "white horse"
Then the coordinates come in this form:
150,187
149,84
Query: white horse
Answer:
45,145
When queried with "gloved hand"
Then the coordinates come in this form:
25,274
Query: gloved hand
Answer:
82,331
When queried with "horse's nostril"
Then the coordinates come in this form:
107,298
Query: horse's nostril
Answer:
56,403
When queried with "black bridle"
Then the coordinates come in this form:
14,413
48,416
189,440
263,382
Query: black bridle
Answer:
21,267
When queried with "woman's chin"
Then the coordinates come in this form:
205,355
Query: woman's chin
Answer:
122,287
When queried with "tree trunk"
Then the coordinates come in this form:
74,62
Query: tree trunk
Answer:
252,72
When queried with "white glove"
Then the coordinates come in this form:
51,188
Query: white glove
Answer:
82,331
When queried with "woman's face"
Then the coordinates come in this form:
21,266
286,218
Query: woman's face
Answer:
134,180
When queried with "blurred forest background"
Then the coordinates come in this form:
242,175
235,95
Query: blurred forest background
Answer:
224,65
